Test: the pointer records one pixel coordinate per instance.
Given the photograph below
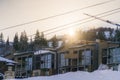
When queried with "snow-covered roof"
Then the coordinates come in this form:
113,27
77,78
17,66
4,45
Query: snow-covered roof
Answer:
21,53
42,52
6,60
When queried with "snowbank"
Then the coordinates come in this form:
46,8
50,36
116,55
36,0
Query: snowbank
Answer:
96,75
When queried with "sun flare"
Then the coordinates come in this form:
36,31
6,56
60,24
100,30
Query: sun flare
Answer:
71,32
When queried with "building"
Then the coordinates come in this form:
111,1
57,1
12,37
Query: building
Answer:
87,55
25,64
80,56
44,63
7,67
110,55
38,63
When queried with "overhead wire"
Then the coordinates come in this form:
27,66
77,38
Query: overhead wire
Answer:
97,4
76,21
81,23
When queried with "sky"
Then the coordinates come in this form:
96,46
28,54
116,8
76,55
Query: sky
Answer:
15,12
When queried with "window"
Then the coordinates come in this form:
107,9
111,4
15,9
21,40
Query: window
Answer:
28,63
86,57
46,61
104,56
63,61
115,55
37,58
80,56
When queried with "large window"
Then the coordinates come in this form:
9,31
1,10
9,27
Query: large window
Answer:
86,57
37,62
46,61
115,55
28,63
63,61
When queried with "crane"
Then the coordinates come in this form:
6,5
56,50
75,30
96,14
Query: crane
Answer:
107,21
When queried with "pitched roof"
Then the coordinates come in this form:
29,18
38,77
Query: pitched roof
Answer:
43,52
6,60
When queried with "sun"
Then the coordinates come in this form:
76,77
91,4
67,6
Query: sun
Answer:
71,32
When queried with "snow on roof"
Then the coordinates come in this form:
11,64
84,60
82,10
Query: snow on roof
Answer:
20,53
6,60
42,52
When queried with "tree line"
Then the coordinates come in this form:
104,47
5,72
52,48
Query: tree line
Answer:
21,44
102,33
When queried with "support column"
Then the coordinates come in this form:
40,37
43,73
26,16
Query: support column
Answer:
21,68
77,60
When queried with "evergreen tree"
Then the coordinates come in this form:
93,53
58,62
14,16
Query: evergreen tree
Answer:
43,41
7,43
1,38
54,42
7,47
23,41
117,35
111,34
98,33
101,33
16,43
31,45
91,35
37,41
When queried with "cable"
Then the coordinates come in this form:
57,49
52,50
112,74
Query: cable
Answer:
57,15
80,23
77,21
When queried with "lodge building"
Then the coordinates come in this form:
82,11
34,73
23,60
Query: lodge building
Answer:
78,56
88,55
38,63
25,64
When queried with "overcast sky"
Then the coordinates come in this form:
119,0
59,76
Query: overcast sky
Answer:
15,12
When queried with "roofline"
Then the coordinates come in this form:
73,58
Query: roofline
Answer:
79,46
45,53
20,53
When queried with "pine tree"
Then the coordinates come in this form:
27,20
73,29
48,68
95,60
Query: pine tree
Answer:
54,42
37,41
43,41
16,43
31,45
91,35
117,35
7,47
7,42
1,38
23,41
40,42
101,34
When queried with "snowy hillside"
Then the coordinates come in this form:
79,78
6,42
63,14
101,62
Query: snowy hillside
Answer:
96,75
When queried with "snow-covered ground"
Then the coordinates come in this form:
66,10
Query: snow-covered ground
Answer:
96,75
